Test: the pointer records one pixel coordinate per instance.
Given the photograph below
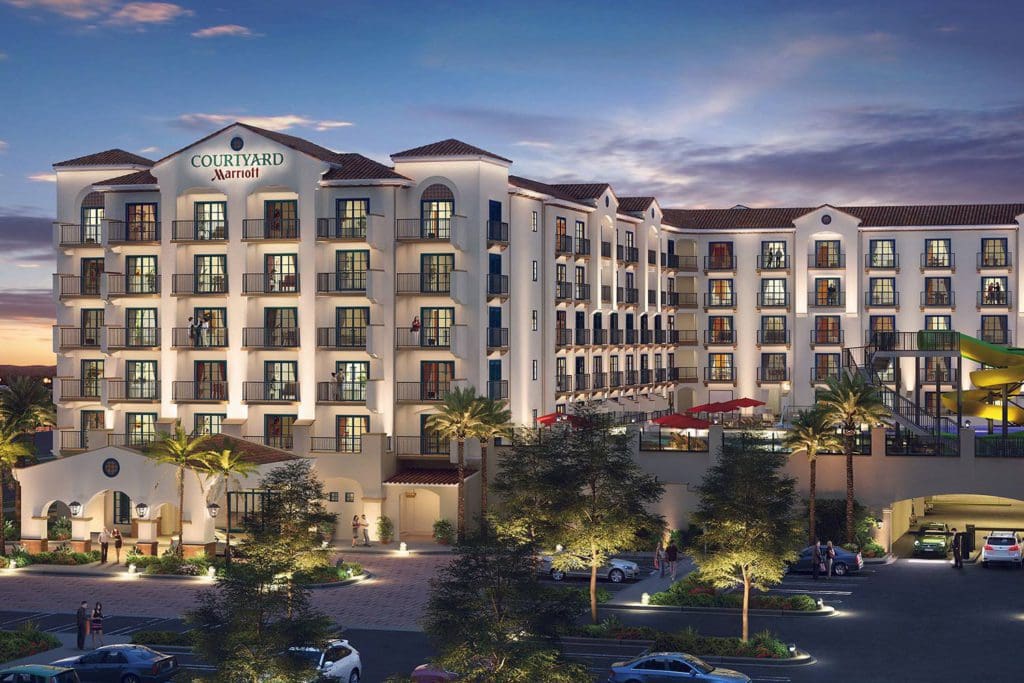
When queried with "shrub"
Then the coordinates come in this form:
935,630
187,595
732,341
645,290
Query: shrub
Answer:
162,638
61,557
59,529
603,594
26,640
761,645
444,532
328,574
693,591
385,529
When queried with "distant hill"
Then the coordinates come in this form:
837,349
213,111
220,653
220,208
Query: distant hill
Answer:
30,370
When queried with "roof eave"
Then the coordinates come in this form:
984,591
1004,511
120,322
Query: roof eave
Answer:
392,182
100,187
102,167
505,163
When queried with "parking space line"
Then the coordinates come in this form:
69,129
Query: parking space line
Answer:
23,618
809,590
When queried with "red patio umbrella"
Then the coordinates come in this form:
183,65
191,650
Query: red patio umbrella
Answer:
710,408
745,402
678,421
553,418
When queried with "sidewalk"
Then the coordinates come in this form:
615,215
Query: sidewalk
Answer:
376,548
91,569
67,649
651,584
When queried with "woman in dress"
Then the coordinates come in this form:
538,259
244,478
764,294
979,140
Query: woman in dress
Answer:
118,542
355,530
96,624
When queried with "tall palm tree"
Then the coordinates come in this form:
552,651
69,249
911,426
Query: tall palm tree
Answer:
849,402
12,449
183,451
26,404
496,424
460,418
811,432
227,465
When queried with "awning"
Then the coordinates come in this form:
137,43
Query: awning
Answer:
422,476
678,421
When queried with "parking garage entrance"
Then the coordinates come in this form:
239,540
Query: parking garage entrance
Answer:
976,514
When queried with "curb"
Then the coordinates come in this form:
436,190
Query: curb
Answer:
180,577
338,584
888,558
801,658
382,550
824,612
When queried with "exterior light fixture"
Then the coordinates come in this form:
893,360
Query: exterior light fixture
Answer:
75,507
141,510
645,598
213,509
211,572
13,564
559,548
792,648
402,547
967,424
132,569
821,604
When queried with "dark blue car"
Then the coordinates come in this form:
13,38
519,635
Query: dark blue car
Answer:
122,664
844,563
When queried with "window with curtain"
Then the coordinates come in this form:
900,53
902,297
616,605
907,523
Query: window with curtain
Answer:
826,366
937,253
140,274
139,428
720,255
436,272
882,253
351,323
773,367
436,378
92,271
720,367
210,273
937,291
350,378
994,253
437,325
141,220
91,420
281,219
211,220
827,291
350,430
141,379
826,329
217,335
92,218
994,291
883,291
937,322
437,206
277,431
995,329
720,292
773,292
827,254
211,378
141,324
773,329
938,369
208,423
720,330
350,266
281,271
281,326
92,323
280,379
352,215
92,376
773,254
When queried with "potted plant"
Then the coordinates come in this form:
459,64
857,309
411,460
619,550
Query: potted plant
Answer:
444,532
385,529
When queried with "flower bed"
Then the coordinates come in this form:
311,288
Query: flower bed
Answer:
691,591
328,574
62,557
27,640
762,645
172,565
869,549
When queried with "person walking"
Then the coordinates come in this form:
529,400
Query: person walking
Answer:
958,549
366,530
104,540
830,557
82,623
96,624
817,565
355,530
659,559
118,542
672,557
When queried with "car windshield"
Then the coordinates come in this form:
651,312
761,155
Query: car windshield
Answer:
1001,540
700,665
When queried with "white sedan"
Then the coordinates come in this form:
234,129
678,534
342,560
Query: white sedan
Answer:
615,570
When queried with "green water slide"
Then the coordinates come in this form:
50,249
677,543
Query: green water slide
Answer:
1006,373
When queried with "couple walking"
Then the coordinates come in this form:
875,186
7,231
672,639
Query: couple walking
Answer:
822,559
667,555
89,623
106,538
360,526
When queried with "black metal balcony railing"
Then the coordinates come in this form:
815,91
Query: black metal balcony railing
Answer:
563,244
72,440
652,297
133,337
582,292
688,299
725,300
619,253
994,259
582,246
938,299
270,283
424,228
615,379
133,390
631,336
343,282
600,336
341,392
994,297
632,378
882,261
133,285
631,255
353,228
615,336
600,380
563,290
720,336
670,298
773,299
881,299
563,383
134,440
937,261
629,295
78,337
827,337
276,391
581,336
192,284
497,389
74,235
427,445
135,231
606,294
771,374
769,337
497,232
606,249
773,262
826,261
683,374
688,263
563,336
996,336
719,374
422,392
646,336
660,375
497,284
719,263
186,337
828,299
200,391
69,286
424,283
820,374
199,231
341,337
79,389
285,442
350,443
270,337
261,229
429,337
497,337
670,261
646,376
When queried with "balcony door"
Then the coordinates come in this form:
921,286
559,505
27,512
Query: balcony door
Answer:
436,272
92,375
217,335
141,324
280,326
350,378
211,220
436,378
349,430
280,379
281,271
436,325
280,218
92,323
92,270
141,274
351,324
210,378
141,379
210,271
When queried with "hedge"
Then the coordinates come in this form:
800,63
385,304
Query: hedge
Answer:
162,638
62,557
27,640
328,574
761,645
691,591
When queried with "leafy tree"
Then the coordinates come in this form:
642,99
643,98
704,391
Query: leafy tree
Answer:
491,619
849,402
746,511
460,418
13,449
495,424
812,433
183,451
591,496
26,404
227,465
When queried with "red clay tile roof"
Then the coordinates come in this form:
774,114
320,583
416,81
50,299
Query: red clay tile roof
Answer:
249,451
542,188
870,216
137,178
447,148
634,204
727,219
583,190
415,476
296,143
358,167
110,157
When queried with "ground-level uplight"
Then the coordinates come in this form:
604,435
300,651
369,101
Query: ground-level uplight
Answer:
13,564
792,648
645,598
821,604
211,572
132,569
403,549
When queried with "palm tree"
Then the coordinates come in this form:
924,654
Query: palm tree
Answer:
227,464
27,404
812,432
849,402
12,449
460,418
496,424
183,451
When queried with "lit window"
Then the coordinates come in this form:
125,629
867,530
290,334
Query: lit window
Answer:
535,370
534,221
534,318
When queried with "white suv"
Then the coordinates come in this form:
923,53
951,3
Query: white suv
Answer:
1002,546
335,661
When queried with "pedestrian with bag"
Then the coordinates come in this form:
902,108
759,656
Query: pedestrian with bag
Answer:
817,563
82,623
672,557
104,539
355,530
830,558
366,530
659,559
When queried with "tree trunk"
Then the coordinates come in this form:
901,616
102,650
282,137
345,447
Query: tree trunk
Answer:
3,520
483,482
811,494
593,587
746,607
227,524
181,512
460,492
849,488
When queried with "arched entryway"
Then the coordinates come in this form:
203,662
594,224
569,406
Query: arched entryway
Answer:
58,521
419,509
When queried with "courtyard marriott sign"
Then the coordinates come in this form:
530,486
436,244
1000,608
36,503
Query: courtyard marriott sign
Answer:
237,165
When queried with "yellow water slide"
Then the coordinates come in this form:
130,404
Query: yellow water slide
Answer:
1007,371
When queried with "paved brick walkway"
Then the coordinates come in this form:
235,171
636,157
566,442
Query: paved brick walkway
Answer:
392,599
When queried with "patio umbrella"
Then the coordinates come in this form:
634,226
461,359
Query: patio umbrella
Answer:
710,408
745,402
552,418
678,421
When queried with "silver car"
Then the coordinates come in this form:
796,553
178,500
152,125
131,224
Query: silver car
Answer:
663,667
615,570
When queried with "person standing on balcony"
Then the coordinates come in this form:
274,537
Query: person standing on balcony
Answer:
415,329
204,330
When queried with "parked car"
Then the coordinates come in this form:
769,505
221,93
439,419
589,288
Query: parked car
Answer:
336,660
123,664
615,571
1002,546
671,666
933,538
844,563
38,673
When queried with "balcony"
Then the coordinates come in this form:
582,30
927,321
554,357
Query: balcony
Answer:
1002,337
938,261
995,260
581,381
606,249
143,391
214,337
773,299
336,444
628,295
563,244
345,282
938,299
137,440
582,292
353,228
719,337
427,229
660,375
425,338
995,299
826,261
822,374
581,336
563,291
670,261
70,389
200,392
772,375
76,337
270,337
719,264
424,283
631,336
341,337
687,299
725,300
136,232
720,374
582,246
670,299
652,297
773,262
284,442
646,376
497,233
270,392
606,294
882,262
648,336
684,337
600,336
563,336
615,379
199,231
341,392
826,337
133,338
74,235
497,285
272,230
827,299
881,300
563,384
652,257
688,264
631,255
939,374
615,336
133,285
497,338
497,389
422,392
683,374
422,446
191,284
600,380
72,440
74,286
632,378
270,283
772,337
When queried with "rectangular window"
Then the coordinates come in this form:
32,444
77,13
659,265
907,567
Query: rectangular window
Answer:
827,254
436,272
349,430
92,271
826,366
211,220
350,326
827,291
773,329
720,367
937,369
882,254
280,327
280,219
882,333
534,319
280,380
721,330
208,423
351,217
435,379
92,375
995,329
92,224
436,326
534,221
217,334
139,428
277,431
91,420
211,272
994,253
937,291
882,291
211,378
937,253
141,379
534,370
581,231
140,275
720,256
141,221
122,510
141,326
773,367
773,292
350,266
773,255
92,323
720,293
281,272
937,322
436,218
826,330
561,228
994,291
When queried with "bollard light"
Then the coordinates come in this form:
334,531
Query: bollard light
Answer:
645,598
821,604
402,547
131,569
13,564
211,572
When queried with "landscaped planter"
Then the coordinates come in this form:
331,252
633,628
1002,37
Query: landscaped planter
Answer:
25,642
760,647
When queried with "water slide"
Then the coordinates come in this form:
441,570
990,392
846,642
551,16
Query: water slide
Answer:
1007,371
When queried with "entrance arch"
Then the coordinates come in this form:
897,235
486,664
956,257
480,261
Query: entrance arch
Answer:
58,521
418,510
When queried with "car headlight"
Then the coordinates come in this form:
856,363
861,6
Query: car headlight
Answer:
917,542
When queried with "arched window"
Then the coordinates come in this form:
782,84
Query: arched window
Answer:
92,217
437,206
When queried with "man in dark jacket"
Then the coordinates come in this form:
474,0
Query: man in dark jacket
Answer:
81,622
958,549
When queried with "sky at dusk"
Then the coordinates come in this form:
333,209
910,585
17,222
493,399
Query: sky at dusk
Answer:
702,104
